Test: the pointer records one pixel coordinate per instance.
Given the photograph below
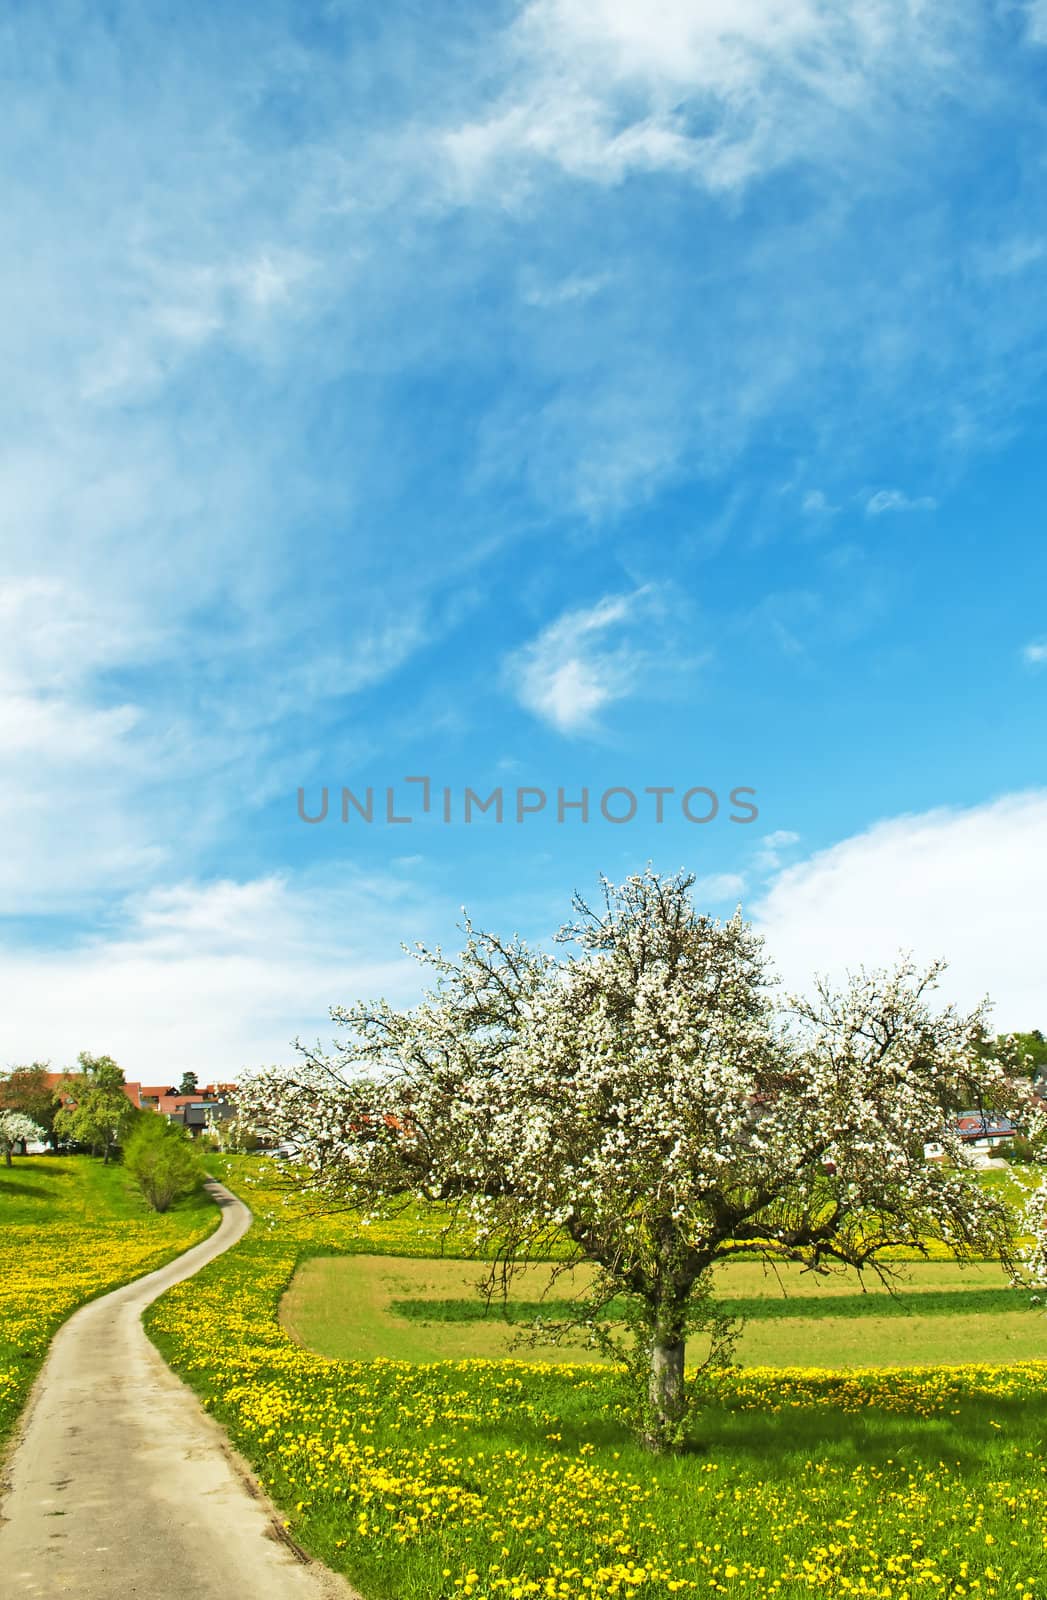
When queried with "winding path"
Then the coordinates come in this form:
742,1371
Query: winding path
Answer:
120,1484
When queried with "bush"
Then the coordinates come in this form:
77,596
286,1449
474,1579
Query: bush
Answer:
1020,1149
163,1161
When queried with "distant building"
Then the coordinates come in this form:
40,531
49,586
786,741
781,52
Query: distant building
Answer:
197,1113
191,1110
984,1134
985,1130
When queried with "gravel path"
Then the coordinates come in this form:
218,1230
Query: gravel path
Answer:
119,1484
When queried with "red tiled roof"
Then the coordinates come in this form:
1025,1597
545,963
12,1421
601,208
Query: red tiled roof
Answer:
174,1102
55,1080
162,1093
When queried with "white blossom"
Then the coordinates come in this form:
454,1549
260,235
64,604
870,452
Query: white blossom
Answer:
16,1128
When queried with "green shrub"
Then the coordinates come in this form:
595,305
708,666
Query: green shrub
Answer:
163,1161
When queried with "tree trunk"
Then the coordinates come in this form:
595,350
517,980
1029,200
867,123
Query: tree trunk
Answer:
7,1155
665,1391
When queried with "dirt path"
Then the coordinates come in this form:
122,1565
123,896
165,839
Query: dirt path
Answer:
119,1484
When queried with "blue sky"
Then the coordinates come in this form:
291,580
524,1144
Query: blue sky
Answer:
574,393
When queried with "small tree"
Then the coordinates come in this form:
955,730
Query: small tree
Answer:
100,1114
163,1161
188,1084
648,1098
26,1089
15,1129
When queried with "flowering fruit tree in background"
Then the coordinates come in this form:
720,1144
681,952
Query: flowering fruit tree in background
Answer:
16,1128
647,1095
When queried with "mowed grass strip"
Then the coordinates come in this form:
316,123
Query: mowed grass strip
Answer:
503,1480
924,1303
70,1230
360,1307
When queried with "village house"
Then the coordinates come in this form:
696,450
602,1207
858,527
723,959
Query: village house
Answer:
985,1134
193,1111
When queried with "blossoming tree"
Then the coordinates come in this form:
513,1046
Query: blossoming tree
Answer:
645,1096
16,1128
1033,1271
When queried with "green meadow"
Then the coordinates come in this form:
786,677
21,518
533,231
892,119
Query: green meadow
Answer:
359,1307
71,1229
354,1368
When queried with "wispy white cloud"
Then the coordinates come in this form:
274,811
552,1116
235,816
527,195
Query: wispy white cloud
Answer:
885,500
102,789
720,93
572,290
1035,654
1014,255
181,306
52,634
369,657
788,616
582,663
719,886
215,976
58,731
1036,21
964,884
768,855
70,755
816,503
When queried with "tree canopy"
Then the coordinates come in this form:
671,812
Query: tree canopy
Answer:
649,1096
26,1089
99,1114
1032,1048
163,1161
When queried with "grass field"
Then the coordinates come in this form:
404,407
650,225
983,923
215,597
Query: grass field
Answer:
500,1480
70,1229
360,1307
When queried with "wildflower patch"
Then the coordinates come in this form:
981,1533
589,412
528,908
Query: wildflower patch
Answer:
508,1479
